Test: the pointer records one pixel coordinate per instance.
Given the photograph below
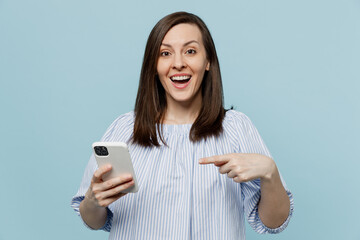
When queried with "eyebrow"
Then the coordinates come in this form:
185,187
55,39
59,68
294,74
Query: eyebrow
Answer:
185,44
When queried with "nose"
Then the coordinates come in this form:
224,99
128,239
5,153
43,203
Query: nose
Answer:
178,62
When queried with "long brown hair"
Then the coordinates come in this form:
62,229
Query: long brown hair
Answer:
151,103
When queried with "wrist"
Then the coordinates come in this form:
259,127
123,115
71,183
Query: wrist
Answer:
89,202
93,215
271,171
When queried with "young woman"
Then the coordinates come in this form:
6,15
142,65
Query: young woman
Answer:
201,169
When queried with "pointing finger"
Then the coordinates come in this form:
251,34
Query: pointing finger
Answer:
217,160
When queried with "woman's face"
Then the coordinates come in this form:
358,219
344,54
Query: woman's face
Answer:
182,64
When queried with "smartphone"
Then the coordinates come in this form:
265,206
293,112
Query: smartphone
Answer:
117,155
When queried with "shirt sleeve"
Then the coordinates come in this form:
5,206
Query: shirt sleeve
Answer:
250,141
86,180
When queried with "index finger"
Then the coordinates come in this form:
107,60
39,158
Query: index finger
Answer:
217,159
97,177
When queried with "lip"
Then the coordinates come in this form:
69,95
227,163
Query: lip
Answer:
180,86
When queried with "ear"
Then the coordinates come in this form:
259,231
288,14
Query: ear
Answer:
207,66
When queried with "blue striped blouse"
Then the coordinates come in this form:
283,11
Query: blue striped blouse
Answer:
178,198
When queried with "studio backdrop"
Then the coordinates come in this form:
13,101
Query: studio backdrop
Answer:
69,68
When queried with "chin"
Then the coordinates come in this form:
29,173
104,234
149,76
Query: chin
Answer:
183,99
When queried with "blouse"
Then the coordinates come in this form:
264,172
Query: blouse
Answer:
179,198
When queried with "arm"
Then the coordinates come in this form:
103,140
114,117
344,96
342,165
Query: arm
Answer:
95,217
93,209
274,205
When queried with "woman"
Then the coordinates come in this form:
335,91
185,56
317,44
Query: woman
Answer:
201,169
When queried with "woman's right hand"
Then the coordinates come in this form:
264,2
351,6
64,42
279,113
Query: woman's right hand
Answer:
103,193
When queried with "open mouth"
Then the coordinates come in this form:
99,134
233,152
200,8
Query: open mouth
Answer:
180,79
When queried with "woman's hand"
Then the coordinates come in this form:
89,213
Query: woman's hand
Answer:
103,193
274,205
243,167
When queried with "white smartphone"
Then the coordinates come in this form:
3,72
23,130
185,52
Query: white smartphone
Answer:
117,155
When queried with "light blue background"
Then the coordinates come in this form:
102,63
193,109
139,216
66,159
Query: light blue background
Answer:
69,68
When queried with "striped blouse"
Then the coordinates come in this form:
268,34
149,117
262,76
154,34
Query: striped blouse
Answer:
178,198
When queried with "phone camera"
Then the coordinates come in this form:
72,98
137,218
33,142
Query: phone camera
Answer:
101,151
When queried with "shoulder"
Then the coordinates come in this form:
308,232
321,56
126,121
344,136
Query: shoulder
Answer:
233,117
125,118
244,134
236,127
238,122
121,128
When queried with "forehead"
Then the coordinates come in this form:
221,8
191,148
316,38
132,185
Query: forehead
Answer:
183,32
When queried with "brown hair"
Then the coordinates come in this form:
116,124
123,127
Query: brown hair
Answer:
150,103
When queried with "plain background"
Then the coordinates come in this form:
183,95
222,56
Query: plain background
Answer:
69,68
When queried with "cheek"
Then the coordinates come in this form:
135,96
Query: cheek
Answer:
162,67
163,82
198,66
200,71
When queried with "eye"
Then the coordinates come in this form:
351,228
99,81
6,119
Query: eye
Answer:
191,51
165,53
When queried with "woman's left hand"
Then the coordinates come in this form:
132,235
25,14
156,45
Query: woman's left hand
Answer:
243,167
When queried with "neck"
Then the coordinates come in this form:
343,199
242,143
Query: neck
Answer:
182,112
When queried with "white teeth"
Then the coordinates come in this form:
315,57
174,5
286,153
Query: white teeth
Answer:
180,78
